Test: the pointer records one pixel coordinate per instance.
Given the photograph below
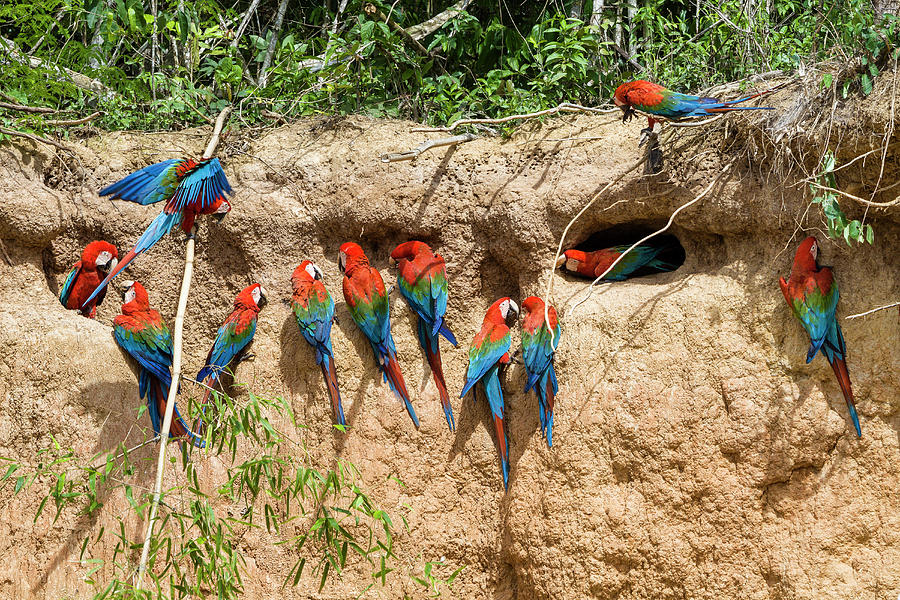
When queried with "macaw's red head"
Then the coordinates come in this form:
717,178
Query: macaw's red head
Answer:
533,313
806,255
220,208
636,92
410,250
575,261
135,297
501,310
100,255
252,297
350,257
306,272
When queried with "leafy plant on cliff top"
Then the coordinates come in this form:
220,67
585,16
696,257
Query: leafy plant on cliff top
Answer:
839,226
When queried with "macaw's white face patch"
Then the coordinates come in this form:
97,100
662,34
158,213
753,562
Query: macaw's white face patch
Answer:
103,258
814,250
258,293
508,305
342,261
572,264
129,294
314,271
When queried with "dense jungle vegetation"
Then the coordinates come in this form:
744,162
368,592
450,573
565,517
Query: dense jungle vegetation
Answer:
164,64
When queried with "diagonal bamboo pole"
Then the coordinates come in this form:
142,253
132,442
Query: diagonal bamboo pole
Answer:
176,368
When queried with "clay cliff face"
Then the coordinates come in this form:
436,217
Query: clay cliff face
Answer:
696,454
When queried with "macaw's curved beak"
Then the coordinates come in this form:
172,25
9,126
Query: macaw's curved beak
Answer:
108,266
561,260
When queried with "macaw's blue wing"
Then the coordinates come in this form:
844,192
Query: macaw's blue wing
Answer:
147,186
68,283
817,314
315,322
201,187
483,356
537,353
150,346
232,338
373,319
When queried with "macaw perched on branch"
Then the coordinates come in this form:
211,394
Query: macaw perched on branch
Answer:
812,294
538,353
141,332
368,304
593,264
489,350
189,188
233,337
313,308
423,283
97,259
660,104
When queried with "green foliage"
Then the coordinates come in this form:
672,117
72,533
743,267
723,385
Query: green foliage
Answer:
196,549
490,62
839,226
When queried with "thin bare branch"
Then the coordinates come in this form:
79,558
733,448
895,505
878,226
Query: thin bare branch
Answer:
426,146
81,121
893,202
874,310
178,338
35,138
29,109
567,107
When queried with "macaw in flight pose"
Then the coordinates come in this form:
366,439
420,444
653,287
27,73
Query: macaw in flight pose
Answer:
593,264
812,294
538,352
368,304
660,104
233,337
489,350
423,283
97,259
142,333
313,308
189,188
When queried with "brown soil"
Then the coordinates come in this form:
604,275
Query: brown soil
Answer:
695,454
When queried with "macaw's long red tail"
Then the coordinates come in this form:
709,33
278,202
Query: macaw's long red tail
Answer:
431,345
503,449
494,393
843,377
334,393
546,392
178,429
391,370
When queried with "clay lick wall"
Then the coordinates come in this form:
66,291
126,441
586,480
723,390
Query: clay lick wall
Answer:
695,454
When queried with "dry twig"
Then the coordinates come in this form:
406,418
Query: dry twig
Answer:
874,310
564,107
35,138
893,202
81,121
176,367
426,146
28,109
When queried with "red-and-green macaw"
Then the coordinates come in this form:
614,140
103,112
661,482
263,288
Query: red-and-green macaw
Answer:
233,337
489,350
538,353
368,304
97,259
423,283
660,104
313,308
812,294
190,188
142,333
593,264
